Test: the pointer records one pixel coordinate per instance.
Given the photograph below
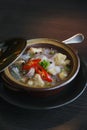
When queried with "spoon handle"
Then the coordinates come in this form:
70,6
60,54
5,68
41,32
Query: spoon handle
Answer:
78,38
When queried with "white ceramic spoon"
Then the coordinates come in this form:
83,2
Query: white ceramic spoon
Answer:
78,38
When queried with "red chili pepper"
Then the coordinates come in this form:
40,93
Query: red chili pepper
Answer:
31,63
43,73
38,68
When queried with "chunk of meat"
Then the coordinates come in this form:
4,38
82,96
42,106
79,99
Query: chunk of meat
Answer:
61,59
36,81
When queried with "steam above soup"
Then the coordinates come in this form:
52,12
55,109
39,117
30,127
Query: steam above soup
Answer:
41,67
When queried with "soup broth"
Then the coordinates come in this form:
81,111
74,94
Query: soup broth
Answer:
41,67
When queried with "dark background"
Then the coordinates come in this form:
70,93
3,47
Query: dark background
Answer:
25,18
53,19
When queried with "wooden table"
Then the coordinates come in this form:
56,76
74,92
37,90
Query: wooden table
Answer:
50,19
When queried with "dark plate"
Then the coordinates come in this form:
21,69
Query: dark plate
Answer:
70,93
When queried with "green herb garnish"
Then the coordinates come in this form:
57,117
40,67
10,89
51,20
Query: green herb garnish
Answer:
44,64
52,52
67,68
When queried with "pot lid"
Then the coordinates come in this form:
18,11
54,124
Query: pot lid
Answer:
10,51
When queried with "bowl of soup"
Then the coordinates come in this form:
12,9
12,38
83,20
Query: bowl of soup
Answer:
45,67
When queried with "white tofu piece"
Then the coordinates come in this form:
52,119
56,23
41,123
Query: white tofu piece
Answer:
54,70
35,50
59,59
